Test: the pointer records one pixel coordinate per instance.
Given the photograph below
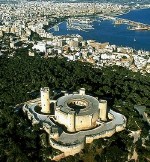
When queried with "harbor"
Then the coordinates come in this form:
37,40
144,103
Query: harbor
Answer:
106,31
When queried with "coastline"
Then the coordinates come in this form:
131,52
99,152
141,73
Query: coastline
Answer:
124,38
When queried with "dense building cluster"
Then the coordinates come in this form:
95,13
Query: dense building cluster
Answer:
23,27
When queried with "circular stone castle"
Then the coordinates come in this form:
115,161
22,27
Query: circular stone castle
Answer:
73,119
76,111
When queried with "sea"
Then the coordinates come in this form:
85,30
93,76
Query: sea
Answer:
106,31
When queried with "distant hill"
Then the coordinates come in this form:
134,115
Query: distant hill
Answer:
100,1
90,1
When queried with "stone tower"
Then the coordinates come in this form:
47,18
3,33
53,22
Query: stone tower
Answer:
82,91
103,110
45,102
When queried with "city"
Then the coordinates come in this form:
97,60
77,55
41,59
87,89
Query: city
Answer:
24,20
46,115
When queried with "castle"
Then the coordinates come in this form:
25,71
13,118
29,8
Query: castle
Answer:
74,119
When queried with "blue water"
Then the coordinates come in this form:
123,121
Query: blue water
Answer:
142,16
106,31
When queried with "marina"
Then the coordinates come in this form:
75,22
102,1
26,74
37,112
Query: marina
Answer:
80,23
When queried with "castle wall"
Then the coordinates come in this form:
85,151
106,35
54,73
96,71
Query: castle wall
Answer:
107,133
83,122
73,149
76,148
61,117
68,150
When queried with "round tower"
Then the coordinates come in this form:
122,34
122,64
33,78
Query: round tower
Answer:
45,102
103,110
82,91
71,122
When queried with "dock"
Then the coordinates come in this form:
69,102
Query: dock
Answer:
132,25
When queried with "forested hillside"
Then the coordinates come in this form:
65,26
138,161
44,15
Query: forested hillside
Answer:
21,79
